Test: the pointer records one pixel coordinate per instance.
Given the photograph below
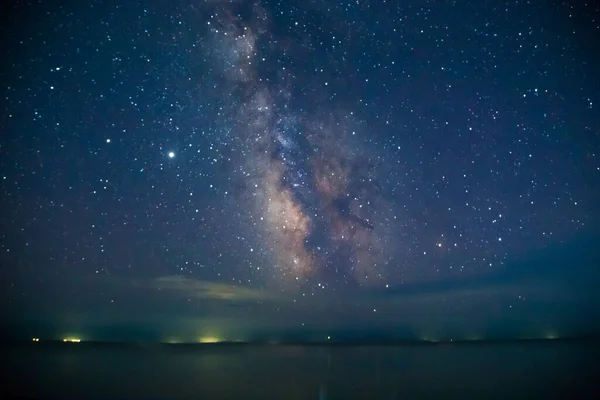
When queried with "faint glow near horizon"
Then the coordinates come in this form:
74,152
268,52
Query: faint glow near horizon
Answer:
551,335
210,339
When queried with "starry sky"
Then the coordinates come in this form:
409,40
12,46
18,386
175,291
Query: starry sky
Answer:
172,170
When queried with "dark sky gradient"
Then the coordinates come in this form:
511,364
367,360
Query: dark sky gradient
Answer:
173,170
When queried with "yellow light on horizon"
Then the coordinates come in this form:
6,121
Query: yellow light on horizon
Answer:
210,339
35,339
71,340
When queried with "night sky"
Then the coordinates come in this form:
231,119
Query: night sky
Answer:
182,170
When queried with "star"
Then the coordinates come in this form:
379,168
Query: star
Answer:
399,164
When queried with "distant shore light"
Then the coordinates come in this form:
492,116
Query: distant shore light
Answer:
210,339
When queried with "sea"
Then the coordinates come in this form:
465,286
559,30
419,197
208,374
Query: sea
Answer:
551,369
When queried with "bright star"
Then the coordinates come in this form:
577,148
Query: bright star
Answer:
171,154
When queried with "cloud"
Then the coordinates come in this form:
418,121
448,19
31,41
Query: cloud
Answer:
210,290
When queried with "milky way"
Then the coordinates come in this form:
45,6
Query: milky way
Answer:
339,148
321,184
315,192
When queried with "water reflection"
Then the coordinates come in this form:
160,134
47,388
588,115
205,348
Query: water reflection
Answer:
296,372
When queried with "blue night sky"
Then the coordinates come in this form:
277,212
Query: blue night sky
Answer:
174,170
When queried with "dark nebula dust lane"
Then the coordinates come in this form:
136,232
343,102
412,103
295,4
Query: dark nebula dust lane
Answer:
308,157
311,182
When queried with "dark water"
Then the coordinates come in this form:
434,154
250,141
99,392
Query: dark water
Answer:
535,370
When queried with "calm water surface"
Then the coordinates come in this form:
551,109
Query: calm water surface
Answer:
535,370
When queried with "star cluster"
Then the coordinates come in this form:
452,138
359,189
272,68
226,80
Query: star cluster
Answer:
304,147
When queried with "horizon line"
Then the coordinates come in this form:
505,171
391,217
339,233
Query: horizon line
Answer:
325,342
